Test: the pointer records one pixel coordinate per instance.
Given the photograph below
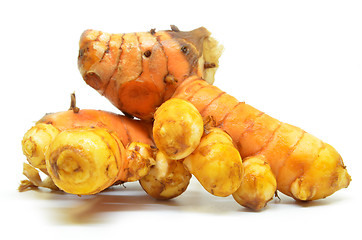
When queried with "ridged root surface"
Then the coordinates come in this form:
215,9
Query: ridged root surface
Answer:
305,167
85,160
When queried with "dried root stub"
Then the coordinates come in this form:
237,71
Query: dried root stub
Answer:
34,180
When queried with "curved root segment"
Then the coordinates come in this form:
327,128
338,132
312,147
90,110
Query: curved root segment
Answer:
167,179
258,184
177,129
85,160
216,163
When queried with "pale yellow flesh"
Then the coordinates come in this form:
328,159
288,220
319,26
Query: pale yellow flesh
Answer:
84,161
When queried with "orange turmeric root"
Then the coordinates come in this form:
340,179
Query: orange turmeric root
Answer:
137,72
125,72
305,167
86,151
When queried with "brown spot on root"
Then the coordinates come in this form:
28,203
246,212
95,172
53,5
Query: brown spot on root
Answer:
185,49
147,53
81,53
170,79
133,156
209,65
93,80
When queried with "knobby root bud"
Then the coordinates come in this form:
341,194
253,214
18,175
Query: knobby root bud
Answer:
325,175
84,160
178,128
140,159
258,183
35,143
216,163
167,178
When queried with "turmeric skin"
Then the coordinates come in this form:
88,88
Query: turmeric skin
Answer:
137,72
177,129
85,160
216,163
258,183
305,167
86,151
167,179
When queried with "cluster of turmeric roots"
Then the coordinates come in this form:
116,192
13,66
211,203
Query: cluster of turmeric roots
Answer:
185,126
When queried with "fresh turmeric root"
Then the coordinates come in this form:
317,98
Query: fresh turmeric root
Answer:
86,151
305,167
137,72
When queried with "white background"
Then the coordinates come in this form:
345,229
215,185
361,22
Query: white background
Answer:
298,61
